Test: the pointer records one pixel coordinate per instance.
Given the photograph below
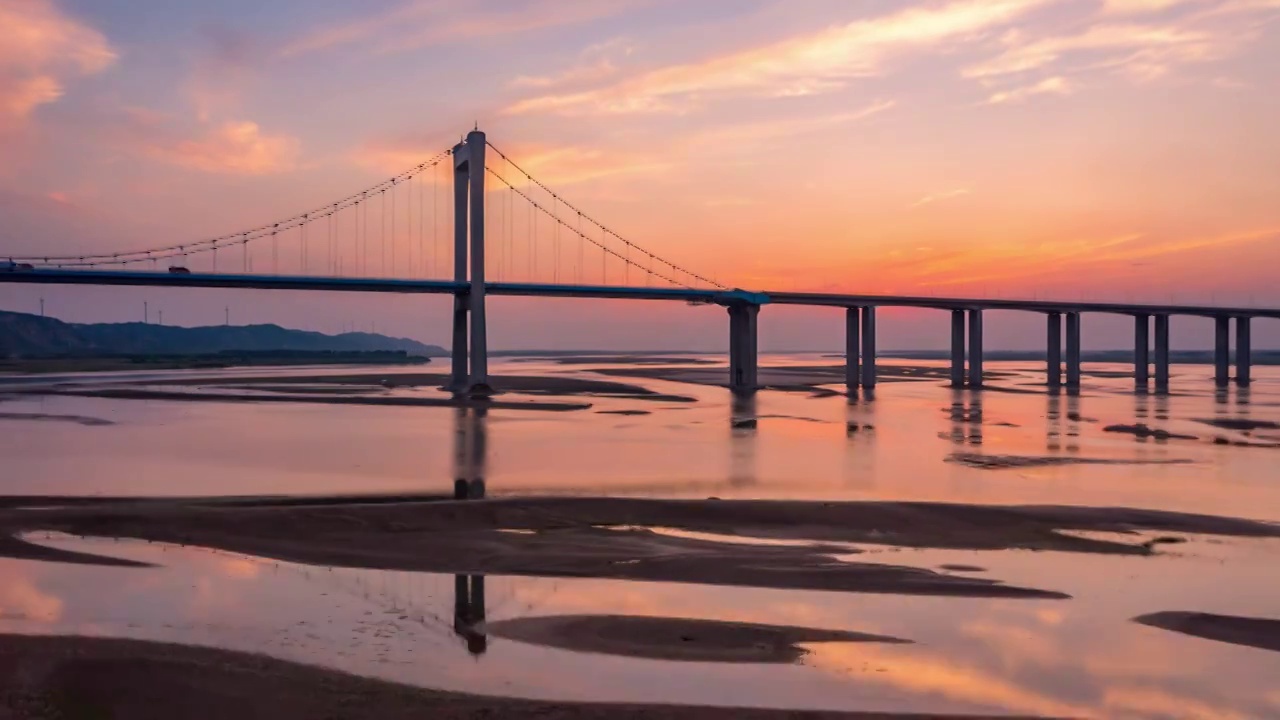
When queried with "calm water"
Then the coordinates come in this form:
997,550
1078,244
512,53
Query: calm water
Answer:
920,441
800,447
1079,658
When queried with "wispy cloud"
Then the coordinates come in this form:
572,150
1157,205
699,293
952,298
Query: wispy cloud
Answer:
230,147
752,134
1135,44
811,64
1135,47
1056,85
597,62
41,48
937,197
420,23
1138,7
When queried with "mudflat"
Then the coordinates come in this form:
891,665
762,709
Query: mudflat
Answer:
614,537
672,638
1262,633
77,678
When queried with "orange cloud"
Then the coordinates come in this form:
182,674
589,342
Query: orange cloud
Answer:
232,147
40,48
807,65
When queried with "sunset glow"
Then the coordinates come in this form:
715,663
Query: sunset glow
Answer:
1113,149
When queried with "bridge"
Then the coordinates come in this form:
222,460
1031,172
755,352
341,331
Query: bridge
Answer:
354,258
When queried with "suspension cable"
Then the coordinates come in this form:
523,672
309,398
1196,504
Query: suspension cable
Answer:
200,246
600,225
579,233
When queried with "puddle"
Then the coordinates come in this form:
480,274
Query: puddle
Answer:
1078,657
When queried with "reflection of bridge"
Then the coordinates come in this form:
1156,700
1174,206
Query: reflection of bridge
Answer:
495,231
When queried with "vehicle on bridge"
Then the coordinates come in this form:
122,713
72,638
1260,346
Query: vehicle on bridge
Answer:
179,270
11,266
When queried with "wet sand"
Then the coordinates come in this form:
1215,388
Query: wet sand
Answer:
83,678
557,385
363,389
677,639
606,537
311,398
805,378
1005,462
1263,633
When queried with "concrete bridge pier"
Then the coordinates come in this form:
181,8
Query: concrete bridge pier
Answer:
852,350
1141,352
479,380
1162,354
869,347
1244,351
957,348
743,349
1053,349
1221,350
1073,352
461,303
975,349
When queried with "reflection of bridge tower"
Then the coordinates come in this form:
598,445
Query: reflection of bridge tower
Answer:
469,612
470,452
742,444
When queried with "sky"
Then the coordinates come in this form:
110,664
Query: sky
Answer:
1094,149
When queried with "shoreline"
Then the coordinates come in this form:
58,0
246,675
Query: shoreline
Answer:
82,677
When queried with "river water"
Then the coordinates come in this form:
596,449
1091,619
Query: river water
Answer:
915,441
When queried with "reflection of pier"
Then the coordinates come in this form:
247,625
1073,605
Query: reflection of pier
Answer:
469,612
470,452
742,446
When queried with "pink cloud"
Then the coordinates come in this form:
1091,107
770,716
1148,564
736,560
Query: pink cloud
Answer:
41,48
232,147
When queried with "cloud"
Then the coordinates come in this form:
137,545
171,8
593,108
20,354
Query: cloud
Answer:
812,64
1135,44
594,64
751,135
227,63
420,23
1136,7
935,197
40,50
234,147
1056,85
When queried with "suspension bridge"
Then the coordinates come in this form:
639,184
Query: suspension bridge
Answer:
409,234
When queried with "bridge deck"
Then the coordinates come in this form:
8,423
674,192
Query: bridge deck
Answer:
711,296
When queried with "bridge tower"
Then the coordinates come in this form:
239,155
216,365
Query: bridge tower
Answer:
470,347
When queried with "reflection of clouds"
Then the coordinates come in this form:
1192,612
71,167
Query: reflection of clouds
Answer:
1014,644
926,674
21,599
1154,702
239,568
1050,616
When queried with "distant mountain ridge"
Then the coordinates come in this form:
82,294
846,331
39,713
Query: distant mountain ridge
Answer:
30,336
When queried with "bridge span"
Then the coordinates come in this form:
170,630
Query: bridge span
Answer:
744,308
469,258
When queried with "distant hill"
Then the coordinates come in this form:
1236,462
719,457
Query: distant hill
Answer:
32,336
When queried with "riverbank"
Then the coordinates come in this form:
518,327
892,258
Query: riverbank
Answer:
81,678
